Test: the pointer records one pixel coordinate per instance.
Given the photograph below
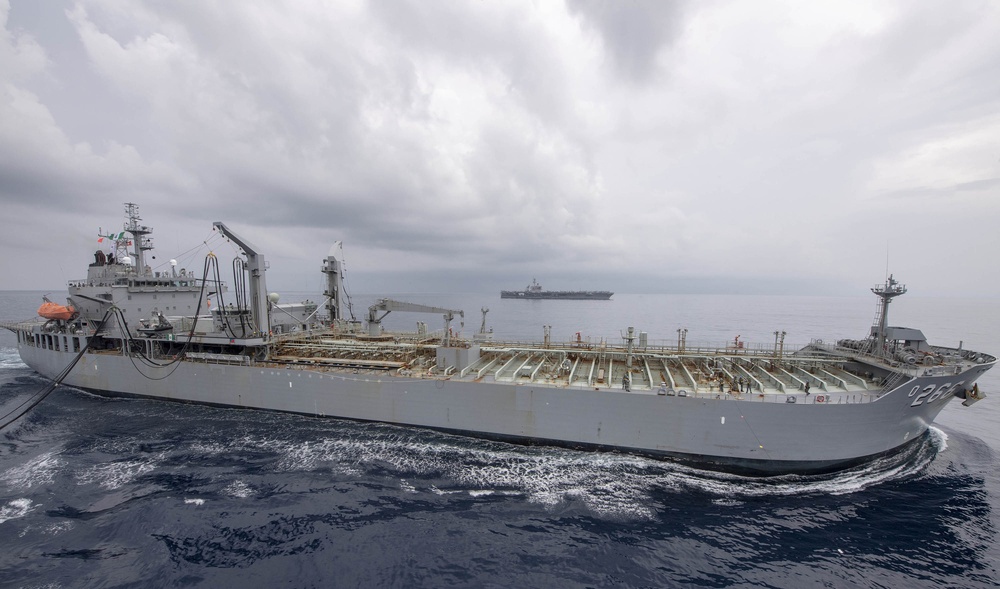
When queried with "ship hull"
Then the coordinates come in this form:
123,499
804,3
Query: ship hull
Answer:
558,295
752,437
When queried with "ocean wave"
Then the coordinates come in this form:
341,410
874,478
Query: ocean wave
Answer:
57,528
239,489
39,470
907,463
419,461
608,484
16,508
48,529
116,474
617,485
9,358
939,439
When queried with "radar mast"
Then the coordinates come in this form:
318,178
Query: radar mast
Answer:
140,243
885,292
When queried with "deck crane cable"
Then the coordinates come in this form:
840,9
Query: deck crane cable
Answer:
40,395
347,293
128,337
239,285
181,257
175,361
214,264
240,291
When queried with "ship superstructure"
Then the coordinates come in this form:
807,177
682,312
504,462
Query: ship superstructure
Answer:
183,335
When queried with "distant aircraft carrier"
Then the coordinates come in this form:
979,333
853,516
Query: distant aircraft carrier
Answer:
535,291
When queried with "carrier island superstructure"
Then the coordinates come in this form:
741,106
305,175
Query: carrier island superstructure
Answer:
185,336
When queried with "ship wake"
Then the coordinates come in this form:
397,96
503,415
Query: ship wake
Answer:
618,486
242,448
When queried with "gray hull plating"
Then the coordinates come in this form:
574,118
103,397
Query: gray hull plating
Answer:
750,435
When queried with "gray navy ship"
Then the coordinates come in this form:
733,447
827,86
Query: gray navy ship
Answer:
181,335
535,291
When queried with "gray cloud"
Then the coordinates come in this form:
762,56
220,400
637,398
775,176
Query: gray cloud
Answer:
649,141
633,33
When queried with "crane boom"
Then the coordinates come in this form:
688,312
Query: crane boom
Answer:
390,305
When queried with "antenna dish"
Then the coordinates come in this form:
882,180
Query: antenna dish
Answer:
127,261
273,297
173,262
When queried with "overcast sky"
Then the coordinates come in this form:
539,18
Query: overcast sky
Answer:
623,145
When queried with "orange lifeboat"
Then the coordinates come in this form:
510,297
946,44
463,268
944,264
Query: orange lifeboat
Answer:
50,310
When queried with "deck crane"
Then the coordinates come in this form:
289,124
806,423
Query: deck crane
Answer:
389,305
255,266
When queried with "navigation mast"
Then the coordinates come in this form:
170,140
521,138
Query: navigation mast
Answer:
140,243
886,292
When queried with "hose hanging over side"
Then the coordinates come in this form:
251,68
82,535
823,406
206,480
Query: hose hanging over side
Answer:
29,403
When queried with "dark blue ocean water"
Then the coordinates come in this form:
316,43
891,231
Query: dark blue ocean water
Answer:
98,492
